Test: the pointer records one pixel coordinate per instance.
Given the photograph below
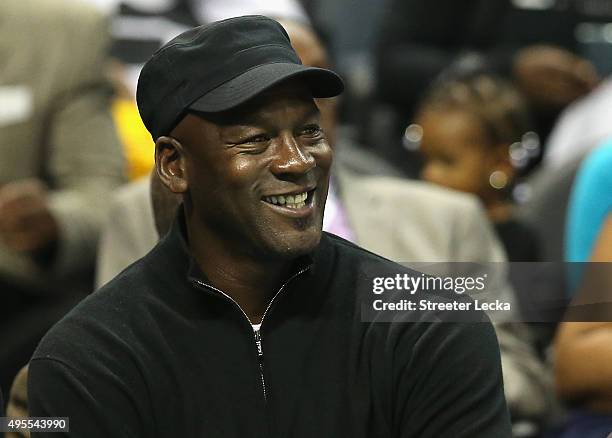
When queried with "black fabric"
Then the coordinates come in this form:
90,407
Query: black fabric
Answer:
418,40
156,354
1,410
26,314
519,240
261,78
215,57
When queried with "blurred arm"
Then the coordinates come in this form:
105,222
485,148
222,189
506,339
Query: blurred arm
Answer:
583,350
85,159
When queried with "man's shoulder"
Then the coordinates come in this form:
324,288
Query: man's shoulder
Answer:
355,264
106,317
355,253
361,269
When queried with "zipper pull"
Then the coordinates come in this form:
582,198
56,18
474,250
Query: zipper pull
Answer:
258,342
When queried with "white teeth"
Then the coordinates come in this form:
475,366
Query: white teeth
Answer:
290,201
297,205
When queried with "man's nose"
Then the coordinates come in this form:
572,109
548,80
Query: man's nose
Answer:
293,158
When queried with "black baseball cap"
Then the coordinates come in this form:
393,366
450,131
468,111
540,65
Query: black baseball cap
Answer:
217,67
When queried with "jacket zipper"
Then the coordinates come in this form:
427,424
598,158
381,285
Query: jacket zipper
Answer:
260,360
257,333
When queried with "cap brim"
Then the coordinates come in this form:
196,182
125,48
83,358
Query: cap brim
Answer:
321,82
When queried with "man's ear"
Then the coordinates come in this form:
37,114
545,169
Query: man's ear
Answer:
170,164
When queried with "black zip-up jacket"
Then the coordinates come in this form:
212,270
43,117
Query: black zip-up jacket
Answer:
159,353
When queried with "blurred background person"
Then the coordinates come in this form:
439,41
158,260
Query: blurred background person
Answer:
470,129
61,159
583,350
140,27
590,205
532,42
579,129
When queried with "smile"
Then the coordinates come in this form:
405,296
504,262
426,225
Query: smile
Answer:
296,201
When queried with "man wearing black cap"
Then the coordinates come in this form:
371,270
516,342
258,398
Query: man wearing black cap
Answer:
245,321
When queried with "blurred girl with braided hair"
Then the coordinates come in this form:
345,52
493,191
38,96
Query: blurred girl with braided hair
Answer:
475,136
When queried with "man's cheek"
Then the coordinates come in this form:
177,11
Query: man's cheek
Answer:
241,172
324,156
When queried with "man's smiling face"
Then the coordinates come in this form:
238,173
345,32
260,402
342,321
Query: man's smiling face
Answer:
258,175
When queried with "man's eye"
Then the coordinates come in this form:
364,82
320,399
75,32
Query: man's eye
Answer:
312,131
257,139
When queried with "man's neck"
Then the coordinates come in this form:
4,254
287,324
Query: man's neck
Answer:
251,285
250,281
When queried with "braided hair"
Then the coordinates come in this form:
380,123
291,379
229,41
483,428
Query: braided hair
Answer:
495,102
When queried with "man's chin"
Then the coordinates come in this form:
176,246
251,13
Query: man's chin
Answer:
296,243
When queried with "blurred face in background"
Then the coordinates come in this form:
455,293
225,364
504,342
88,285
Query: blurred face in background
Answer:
457,152
311,51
